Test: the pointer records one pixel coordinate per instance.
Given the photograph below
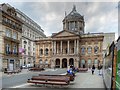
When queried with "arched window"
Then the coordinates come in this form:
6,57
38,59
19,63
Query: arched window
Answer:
14,49
8,48
96,48
46,51
41,51
95,61
89,49
40,61
83,50
83,63
46,61
89,61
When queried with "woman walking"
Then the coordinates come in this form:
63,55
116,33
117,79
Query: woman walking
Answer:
93,69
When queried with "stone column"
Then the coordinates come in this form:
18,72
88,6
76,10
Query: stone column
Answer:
61,47
43,49
52,47
77,46
74,46
55,47
68,47
74,25
60,63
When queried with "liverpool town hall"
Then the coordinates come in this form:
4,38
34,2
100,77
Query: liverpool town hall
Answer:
72,46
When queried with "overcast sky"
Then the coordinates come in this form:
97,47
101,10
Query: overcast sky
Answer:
99,16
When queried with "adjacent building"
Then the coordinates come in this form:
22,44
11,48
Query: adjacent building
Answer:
18,33
72,46
30,31
10,34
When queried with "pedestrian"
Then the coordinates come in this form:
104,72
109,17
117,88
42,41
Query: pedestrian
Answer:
93,69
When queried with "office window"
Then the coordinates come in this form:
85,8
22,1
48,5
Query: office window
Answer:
89,49
41,51
40,61
8,33
14,35
46,61
46,51
7,49
96,48
83,50
14,49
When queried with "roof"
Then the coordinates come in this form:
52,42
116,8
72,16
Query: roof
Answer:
73,15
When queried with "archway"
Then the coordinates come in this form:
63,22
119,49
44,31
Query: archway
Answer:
64,63
57,63
96,62
83,63
71,62
89,63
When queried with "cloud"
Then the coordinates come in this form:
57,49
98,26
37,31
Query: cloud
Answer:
99,16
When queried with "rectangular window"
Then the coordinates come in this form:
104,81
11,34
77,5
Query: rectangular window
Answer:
14,49
8,33
14,35
8,49
24,46
28,48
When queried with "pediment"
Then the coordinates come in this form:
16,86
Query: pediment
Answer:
64,33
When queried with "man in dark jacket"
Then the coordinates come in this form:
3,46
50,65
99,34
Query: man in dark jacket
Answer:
93,69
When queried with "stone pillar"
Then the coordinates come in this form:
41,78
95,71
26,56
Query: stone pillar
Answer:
43,49
77,46
60,63
68,47
52,47
74,25
74,46
55,46
61,47
38,54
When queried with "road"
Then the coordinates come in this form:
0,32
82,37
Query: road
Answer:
19,79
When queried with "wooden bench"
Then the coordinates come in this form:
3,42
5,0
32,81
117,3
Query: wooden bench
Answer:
14,71
82,69
49,80
71,77
36,69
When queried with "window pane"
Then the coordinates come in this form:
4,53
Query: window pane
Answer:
83,50
14,35
96,49
89,49
40,61
8,33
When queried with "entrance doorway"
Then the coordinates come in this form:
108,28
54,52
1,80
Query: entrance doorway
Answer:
11,65
57,63
71,62
64,63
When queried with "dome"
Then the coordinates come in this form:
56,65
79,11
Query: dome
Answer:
73,15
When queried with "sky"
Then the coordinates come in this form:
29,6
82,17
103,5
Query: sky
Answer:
98,16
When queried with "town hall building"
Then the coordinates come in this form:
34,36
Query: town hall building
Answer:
72,46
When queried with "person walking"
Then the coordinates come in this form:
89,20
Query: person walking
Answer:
93,69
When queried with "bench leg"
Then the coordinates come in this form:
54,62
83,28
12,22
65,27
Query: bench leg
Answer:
35,83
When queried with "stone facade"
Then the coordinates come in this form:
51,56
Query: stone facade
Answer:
30,31
71,46
11,30
66,48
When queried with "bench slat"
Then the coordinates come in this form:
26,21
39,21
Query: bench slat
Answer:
49,82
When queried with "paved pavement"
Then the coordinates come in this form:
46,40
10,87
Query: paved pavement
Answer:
14,80
82,80
87,80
